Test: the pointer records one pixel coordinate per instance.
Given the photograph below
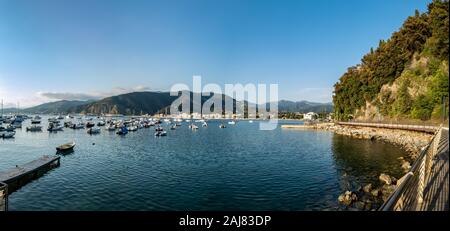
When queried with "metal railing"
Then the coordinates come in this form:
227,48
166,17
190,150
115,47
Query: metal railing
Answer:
409,195
409,127
3,197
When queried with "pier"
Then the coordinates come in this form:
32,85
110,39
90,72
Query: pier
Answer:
426,186
17,177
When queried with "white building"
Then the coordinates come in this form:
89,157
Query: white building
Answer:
310,116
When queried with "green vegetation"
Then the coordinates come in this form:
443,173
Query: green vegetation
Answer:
406,76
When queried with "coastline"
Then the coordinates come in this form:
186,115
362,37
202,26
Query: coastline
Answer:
411,141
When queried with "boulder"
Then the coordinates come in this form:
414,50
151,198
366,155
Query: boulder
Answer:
386,179
406,166
367,188
347,198
375,192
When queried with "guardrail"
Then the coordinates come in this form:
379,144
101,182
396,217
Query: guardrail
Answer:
3,197
410,194
409,127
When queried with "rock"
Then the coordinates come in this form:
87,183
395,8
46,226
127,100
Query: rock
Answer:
386,179
367,188
360,205
386,191
375,192
347,198
406,166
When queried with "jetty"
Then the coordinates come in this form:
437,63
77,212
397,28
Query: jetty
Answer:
408,127
13,179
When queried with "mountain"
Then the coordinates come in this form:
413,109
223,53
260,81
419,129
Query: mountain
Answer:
405,77
63,106
135,103
304,106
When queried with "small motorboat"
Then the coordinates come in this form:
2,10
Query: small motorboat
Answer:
7,135
133,128
101,123
161,133
65,147
90,125
78,126
35,121
193,127
250,121
188,121
122,131
54,127
204,124
111,127
60,117
159,129
93,130
232,122
173,127
34,128
222,126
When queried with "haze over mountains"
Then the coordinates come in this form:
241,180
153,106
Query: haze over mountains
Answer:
139,103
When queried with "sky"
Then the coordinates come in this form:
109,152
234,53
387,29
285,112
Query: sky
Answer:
89,49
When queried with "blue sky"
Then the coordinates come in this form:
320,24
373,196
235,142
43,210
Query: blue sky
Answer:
57,49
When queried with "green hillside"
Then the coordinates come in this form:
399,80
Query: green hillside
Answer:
405,77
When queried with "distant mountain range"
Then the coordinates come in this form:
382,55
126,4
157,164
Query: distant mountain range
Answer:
139,103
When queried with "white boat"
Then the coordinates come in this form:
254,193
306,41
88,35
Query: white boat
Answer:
93,130
111,128
222,126
34,128
78,126
188,121
200,121
250,121
54,127
232,122
193,127
133,128
101,123
6,135
35,121
161,133
204,124
60,117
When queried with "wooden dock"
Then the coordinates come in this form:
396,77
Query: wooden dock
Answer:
20,175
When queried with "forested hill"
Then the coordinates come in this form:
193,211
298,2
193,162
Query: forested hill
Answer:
404,77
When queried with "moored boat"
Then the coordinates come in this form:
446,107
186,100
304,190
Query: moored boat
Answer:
93,130
65,147
34,128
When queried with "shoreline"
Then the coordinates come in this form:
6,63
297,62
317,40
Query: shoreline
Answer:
410,141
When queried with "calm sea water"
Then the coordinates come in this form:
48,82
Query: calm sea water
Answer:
236,168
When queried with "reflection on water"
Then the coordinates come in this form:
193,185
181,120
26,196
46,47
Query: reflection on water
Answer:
236,168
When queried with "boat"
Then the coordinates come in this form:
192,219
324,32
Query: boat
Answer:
158,129
16,124
222,126
60,117
54,127
101,123
193,126
90,125
250,121
188,121
7,135
93,130
78,126
111,127
232,122
133,128
34,128
161,133
200,121
65,147
173,127
122,131
204,124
